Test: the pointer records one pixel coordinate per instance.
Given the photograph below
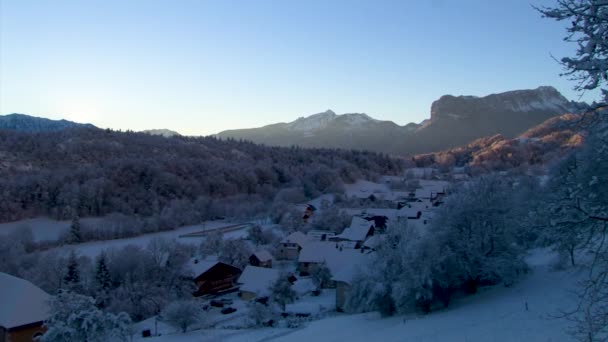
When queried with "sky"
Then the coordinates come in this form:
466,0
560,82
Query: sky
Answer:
200,67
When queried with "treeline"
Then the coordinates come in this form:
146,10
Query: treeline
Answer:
94,172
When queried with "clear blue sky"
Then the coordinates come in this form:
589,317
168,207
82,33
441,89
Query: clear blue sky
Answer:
200,67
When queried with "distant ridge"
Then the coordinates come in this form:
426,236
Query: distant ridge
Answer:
454,121
27,123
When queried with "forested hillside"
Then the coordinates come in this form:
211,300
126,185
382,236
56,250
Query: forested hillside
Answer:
93,172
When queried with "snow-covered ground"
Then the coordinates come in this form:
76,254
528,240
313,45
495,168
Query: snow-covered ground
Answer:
43,228
94,248
496,314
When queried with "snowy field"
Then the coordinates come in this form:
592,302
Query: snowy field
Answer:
494,315
43,228
94,248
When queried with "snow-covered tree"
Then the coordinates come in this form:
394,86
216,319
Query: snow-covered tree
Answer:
321,276
578,207
74,234
281,291
260,314
72,276
212,244
75,317
182,314
588,29
235,252
103,281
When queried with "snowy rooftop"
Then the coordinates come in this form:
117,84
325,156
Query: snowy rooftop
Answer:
263,255
296,237
195,266
326,252
358,230
21,302
258,280
374,241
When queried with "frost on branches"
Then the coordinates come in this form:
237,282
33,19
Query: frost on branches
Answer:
75,317
589,30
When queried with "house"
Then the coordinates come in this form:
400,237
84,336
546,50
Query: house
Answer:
23,309
343,280
308,212
330,254
414,210
212,277
290,247
359,230
320,235
261,259
256,282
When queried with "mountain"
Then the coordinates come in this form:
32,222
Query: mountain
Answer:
454,121
162,132
538,146
27,123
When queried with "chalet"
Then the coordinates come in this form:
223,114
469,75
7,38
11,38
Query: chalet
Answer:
256,282
290,247
212,277
23,309
261,259
359,230
330,254
320,235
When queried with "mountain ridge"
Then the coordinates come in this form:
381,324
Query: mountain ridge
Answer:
454,121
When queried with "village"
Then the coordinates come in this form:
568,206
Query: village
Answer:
318,265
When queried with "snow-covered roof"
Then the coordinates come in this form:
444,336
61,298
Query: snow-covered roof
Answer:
295,237
263,255
358,230
412,208
21,302
258,280
317,235
195,266
374,241
303,286
335,258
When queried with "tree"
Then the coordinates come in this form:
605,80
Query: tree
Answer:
281,291
74,235
260,314
578,207
588,27
235,252
72,276
183,314
321,276
103,281
74,317
212,244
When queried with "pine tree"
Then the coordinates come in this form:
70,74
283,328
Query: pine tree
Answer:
74,235
72,277
103,282
102,274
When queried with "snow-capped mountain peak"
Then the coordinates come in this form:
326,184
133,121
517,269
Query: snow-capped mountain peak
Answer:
313,122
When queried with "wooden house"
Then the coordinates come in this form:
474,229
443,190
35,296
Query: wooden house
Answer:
23,309
212,277
261,259
290,247
256,282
